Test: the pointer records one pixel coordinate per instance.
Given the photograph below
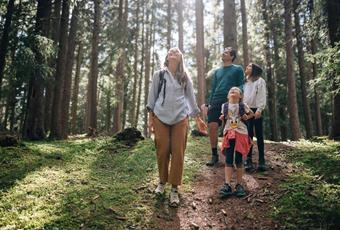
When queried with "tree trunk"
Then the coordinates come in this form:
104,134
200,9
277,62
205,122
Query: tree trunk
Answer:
56,127
301,60
271,78
333,8
93,76
168,19
200,50
292,103
34,122
244,34
75,90
140,82
317,110
68,71
180,24
132,115
147,72
119,111
4,39
49,94
229,26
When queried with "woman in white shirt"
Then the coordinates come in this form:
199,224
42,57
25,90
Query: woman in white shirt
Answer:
255,94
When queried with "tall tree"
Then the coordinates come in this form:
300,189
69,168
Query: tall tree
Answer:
120,68
68,71
75,90
301,63
5,39
244,34
169,21
49,89
93,76
147,70
180,24
34,122
56,126
200,50
292,102
333,8
132,115
229,25
271,78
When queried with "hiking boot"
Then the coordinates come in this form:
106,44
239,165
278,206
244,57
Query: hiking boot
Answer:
174,198
225,191
160,189
248,165
239,190
213,161
261,167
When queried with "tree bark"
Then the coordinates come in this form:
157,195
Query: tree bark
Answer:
147,72
5,39
168,19
132,115
49,94
56,126
271,78
229,26
180,24
200,50
292,102
93,76
333,8
34,122
303,80
75,90
244,34
68,71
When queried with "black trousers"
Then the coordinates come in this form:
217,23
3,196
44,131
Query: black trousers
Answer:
258,125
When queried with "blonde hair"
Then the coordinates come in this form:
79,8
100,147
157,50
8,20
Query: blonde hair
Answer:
238,89
181,74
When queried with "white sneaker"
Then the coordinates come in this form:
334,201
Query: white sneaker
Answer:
174,198
160,189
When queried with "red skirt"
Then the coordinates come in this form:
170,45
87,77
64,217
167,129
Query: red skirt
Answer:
242,142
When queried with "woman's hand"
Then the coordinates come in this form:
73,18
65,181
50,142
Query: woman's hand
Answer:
201,125
150,124
257,115
221,117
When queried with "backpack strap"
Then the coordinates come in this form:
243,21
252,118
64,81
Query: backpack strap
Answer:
242,109
225,110
162,82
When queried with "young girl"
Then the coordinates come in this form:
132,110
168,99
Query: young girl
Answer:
255,97
236,142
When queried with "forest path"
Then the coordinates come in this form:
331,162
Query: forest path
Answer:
201,208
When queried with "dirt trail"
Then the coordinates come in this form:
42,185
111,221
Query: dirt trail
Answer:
202,209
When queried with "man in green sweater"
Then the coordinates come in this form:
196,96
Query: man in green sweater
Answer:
224,78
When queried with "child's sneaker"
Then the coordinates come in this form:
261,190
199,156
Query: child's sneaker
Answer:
225,191
174,198
261,167
239,190
160,189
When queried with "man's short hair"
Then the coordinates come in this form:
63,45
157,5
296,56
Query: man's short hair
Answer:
232,52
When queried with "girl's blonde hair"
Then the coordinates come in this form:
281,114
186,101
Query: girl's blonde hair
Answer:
238,89
181,74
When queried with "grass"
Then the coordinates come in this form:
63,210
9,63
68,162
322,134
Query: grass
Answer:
311,194
92,184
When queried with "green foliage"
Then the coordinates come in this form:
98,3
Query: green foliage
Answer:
329,74
311,197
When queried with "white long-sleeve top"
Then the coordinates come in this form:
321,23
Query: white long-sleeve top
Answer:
255,94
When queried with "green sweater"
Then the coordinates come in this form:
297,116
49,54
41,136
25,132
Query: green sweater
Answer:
224,78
